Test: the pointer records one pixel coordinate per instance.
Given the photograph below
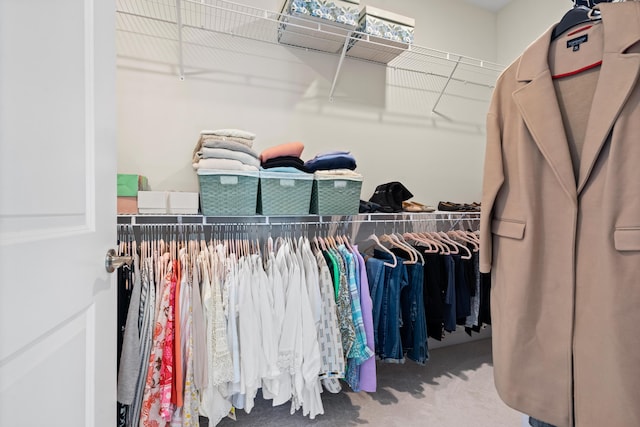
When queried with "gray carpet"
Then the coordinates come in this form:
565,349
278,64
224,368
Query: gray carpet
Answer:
454,389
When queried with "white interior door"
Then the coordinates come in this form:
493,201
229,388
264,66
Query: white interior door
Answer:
57,213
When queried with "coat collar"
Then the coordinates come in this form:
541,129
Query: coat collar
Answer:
539,106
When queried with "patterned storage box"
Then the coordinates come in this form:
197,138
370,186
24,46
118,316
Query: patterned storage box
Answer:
301,20
336,195
284,193
389,33
224,192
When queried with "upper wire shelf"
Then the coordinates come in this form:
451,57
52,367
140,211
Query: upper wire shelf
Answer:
219,24
289,220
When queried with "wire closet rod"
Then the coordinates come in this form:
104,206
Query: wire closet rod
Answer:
303,223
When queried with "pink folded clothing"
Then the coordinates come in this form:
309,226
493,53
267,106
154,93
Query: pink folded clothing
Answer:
290,149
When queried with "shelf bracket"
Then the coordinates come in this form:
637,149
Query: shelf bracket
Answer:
444,88
342,55
179,23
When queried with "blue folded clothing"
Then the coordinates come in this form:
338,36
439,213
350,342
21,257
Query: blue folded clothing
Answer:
333,160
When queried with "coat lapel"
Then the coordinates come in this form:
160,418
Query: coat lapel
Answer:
618,77
538,105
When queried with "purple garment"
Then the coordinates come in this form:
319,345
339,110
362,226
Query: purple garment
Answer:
368,381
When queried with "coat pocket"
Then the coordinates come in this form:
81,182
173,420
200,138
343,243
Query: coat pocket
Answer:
627,238
508,228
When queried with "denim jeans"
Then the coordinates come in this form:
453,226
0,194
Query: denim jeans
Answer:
375,276
537,423
414,322
386,296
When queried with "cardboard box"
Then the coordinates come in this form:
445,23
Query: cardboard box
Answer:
152,202
130,184
127,205
183,203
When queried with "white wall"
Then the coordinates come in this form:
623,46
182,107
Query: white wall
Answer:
523,21
387,127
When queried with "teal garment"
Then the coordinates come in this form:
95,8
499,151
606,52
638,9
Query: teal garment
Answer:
343,303
359,351
335,271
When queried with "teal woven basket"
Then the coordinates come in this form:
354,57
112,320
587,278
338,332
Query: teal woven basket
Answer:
284,193
336,196
228,192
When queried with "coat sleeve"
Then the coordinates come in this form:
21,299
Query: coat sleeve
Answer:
492,182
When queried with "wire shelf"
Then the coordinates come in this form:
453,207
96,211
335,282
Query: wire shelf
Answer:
177,25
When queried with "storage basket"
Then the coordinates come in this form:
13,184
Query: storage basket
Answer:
336,195
283,193
224,192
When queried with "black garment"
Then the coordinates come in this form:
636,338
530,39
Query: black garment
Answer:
125,288
537,423
285,161
435,289
391,195
370,207
463,296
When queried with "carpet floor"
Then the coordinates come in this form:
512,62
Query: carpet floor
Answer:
454,389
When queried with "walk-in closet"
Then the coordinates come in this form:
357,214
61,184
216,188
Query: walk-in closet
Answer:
319,212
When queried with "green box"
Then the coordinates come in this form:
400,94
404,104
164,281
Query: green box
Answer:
283,193
337,195
130,184
226,192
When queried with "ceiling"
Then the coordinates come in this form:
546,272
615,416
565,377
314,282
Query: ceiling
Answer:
492,5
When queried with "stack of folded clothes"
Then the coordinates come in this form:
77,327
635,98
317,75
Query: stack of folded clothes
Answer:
459,207
283,158
331,160
225,149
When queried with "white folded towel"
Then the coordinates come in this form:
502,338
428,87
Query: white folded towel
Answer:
223,164
223,153
235,133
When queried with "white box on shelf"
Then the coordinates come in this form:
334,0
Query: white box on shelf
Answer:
152,202
320,25
389,34
183,203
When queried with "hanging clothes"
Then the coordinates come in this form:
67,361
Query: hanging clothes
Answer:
211,324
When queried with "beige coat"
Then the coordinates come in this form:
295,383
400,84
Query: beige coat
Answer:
564,250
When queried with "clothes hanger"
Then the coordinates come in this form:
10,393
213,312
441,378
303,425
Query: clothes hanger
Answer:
431,245
382,248
417,253
424,240
445,249
389,238
446,237
399,240
347,243
462,235
583,12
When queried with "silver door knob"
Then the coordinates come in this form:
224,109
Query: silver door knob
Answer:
112,261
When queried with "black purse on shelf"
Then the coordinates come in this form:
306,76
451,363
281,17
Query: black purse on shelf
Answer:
390,196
